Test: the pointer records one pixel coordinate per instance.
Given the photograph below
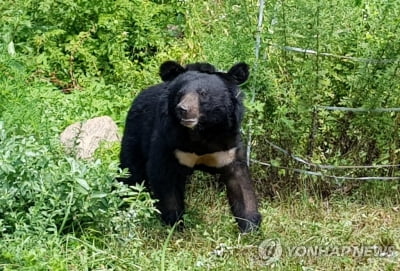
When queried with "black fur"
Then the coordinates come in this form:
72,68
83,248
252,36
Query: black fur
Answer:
153,132
201,67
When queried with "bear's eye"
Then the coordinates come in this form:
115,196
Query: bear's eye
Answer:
203,92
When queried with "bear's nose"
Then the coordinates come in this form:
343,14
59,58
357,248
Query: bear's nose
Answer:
182,109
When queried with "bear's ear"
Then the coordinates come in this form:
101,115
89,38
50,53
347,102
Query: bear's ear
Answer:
169,70
239,72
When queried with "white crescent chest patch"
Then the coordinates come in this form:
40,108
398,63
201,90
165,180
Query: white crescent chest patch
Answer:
216,159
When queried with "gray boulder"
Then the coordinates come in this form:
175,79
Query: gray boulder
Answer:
83,138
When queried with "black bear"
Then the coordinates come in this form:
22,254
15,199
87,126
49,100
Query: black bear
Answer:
190,121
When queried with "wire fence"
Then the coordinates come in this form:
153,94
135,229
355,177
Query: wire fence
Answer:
311,168
257,48
326,167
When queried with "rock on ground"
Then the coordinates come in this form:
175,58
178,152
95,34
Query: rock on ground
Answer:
83,138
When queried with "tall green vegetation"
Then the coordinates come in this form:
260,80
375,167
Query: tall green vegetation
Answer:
67,61
72,41
313,54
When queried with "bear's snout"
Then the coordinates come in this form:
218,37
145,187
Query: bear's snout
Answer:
187,109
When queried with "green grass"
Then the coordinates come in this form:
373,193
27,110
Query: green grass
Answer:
211,239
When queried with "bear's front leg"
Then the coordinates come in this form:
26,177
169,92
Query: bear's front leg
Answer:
170,203
241,195
167,182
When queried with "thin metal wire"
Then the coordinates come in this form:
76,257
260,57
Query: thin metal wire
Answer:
314,52
320,174
359,109
321,166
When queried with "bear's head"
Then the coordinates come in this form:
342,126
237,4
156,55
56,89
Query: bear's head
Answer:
201,97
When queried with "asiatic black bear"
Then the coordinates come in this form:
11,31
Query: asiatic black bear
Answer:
190,121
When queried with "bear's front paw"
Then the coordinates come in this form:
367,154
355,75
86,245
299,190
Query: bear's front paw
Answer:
171,217
249,223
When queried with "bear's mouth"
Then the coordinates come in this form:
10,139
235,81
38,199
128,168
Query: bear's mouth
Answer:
190,123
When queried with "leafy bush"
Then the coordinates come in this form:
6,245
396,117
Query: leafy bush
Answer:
73,40
42,190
